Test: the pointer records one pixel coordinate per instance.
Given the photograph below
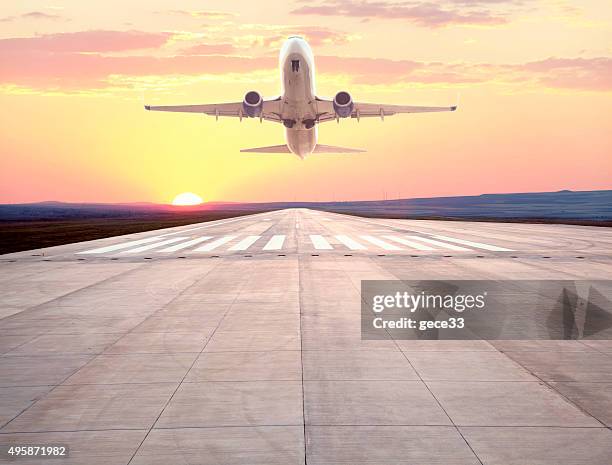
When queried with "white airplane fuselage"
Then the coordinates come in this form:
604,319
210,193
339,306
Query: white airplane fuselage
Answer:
298,102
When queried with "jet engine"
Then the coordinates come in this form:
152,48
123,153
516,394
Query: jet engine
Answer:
343,104
252,104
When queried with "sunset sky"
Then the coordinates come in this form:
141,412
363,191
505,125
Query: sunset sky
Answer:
534,80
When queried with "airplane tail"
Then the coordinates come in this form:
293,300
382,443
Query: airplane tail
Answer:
319,148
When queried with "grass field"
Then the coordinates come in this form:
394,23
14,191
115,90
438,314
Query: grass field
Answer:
16,236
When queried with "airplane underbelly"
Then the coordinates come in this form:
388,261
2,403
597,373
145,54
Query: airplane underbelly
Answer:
301,141
298,108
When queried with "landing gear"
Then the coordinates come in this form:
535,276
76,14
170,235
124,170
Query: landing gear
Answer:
309,123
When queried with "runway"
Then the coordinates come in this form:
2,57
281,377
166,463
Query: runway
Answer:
238,342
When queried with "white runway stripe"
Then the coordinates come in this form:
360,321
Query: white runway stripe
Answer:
444,245
414,245
319,242
212,224
144,248
214,244
478,245
350,243
121,245
275,243
184,245
381,244
245,243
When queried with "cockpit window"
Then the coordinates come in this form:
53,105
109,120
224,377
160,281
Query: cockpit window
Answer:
295,65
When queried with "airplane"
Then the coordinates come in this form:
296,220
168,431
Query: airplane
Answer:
298,108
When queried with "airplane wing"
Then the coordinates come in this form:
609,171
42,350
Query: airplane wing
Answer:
325,110
270,110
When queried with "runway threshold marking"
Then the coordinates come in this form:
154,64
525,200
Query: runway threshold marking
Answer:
245,243
478,245
350,243
444,245
380,243
414,245
122,245
319,242
275,243
214,244
184,245
144,248
218,223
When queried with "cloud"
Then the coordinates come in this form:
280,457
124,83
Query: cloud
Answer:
41,15
85,41
33,15
573,73
80,61
209,49
252,39
207,14
427,14
588,74
79,71
315,35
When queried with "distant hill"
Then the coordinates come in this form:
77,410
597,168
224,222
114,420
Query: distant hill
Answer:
592,206
562,205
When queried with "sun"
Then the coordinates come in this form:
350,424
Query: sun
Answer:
187,198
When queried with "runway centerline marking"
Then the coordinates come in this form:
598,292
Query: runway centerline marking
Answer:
214,244
440,244
245,243
414,245
122,245
144,248
478,245
184,245
275,243
379,243
350,243
319,242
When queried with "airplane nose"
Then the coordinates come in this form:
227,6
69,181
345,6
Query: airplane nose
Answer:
295,45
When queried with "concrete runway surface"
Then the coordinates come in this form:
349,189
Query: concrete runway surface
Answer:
238,342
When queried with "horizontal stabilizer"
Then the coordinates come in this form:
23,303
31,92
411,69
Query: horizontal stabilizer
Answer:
271,149
320,148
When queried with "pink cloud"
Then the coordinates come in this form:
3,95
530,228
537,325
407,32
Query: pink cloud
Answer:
57,61
75,71
85,41
573,73
209,49
420,13
317,36
208,14
358,66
